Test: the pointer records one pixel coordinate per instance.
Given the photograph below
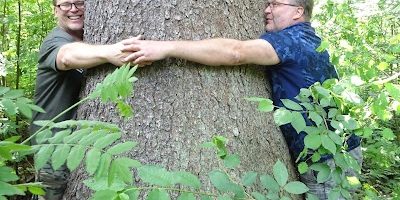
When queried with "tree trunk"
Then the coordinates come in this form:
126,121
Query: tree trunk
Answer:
178,104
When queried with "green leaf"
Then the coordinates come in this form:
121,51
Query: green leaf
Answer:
315,157
123,196
302,167
7,174
186,196
316,118
92,160
348,122
121,148
59,136
265,106
133,194
313,141
258,196
335,138
224,197
282,116
4,90
328,144
124,109
352,97
105,194
36,108
43,155
298,122
394,90
187,179
23,108
9,190
222,182
340,160
323,46
334,194
43,136
296,187
107,140
332,113
383,66
155,175
9,107
75,157
119,169
77,135
36,190
291,105
280,173
323,170
231,161
311,197
13,94
90,139
104,166
388,134
249,178
59,156
269,183
158,194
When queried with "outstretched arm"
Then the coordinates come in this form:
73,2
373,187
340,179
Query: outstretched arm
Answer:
214,52
80,55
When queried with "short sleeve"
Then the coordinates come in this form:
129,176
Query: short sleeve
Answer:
284,45
49,50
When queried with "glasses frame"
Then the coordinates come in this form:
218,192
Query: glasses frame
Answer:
275,3
64,5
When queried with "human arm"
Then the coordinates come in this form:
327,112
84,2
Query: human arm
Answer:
81,55
214,52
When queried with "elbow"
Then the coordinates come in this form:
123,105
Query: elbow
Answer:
236,57
64,59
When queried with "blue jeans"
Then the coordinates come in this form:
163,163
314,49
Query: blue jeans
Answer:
321,190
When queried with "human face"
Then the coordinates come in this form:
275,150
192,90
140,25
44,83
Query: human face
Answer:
71,20
279,15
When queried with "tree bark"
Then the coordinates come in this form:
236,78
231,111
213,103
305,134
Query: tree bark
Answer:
178,104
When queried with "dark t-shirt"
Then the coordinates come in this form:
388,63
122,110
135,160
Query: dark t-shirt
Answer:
300,66
55,90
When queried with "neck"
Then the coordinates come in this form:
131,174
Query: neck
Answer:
77,35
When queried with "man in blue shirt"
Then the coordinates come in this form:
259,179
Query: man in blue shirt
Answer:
287,49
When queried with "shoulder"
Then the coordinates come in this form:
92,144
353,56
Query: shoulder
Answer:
57,35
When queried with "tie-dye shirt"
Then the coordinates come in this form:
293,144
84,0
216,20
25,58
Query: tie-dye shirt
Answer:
300,66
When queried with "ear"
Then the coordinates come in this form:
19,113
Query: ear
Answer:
299,13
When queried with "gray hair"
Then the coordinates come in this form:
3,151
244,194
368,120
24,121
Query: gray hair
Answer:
308,7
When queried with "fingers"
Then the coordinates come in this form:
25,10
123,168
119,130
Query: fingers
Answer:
130,48
132,40
133,57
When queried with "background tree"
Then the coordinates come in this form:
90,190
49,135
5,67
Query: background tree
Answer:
178,104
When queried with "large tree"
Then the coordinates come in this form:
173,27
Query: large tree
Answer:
178,104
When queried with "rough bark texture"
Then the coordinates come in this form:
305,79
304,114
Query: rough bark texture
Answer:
178,104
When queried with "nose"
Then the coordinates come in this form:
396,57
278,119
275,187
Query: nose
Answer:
74,8
267,10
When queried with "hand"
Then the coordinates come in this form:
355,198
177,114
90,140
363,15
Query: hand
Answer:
115,54
144,52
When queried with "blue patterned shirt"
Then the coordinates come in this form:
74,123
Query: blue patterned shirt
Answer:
300,66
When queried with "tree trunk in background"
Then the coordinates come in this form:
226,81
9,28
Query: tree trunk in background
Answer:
178,104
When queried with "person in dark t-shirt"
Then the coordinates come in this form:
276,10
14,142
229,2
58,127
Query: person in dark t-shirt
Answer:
287,50
62,60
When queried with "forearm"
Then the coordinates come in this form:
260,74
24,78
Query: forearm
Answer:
212,52
81,55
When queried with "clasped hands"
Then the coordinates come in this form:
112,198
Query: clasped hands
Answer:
136,50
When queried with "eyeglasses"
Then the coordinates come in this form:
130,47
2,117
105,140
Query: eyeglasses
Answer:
68,6
275,4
